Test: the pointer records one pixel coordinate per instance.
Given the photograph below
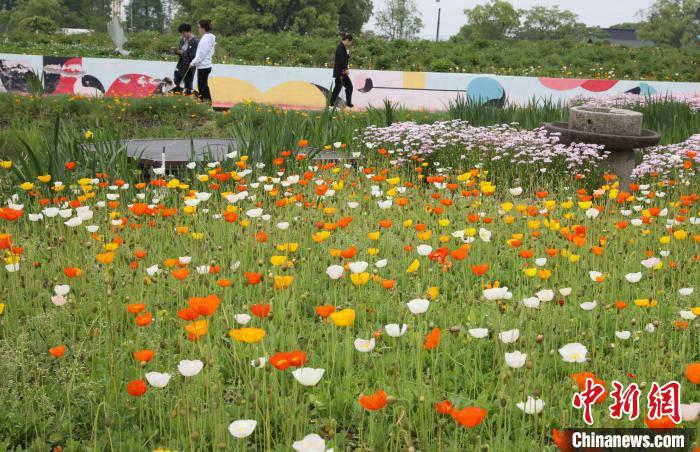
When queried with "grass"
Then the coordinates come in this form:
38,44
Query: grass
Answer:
80,400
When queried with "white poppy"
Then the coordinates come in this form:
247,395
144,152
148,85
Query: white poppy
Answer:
184,260
687,315
203,269
541,261
311,443
283,226
308,376
190,368
11,268
418,305
242,319
335,271
385,204
510,336
565,292
478,333
152,270
515,359
254,213
633,277
92,228
531,405
649,328
353,204
35,217
65,213
191,165
381,263
358,267
424,250
394,330
594,275
59,300
515,191
51,212
73,222
531,302
573,352
497,293
545,295
623,335
685,291
364,345
484,235
203,196
589,305
651,262
61,290
242,428
690,411
157,379
665,253
259,363
592,213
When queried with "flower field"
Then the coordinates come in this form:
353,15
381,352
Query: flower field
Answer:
412,299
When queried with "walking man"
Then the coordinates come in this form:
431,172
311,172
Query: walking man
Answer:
340,71
186,51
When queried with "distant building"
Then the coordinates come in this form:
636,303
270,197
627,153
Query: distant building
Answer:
622,37
75,31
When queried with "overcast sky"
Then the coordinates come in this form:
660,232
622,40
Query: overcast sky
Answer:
591,12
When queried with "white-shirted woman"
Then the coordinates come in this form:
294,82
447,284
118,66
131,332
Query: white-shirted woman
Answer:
202,60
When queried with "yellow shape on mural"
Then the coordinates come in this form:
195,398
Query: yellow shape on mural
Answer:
414,80
227,91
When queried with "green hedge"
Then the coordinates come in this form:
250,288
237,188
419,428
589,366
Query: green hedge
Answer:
509,57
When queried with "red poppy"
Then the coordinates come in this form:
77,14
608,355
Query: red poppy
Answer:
444,407
253,278
480,269
188,314
469,416
581,381
136,388
374,402
260,310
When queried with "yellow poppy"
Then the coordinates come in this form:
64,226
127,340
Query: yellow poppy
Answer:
346,317
247,335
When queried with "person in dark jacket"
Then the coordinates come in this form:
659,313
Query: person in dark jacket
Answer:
186,51
340,71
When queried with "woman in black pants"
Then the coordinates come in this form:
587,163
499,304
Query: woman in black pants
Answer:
340,71
202,60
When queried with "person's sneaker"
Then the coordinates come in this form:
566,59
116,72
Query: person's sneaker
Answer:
350,105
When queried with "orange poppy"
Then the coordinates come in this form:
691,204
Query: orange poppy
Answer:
72,272
136,388
143,356
57,351
460,253
385,223
144,319
205,306
135,308
388,283
223,282
180,273
261,237
432,340
469,416
349,253
374,402
444,407
581,378
283,360
562,438
140,254
692,372
325,311
187,314
664,422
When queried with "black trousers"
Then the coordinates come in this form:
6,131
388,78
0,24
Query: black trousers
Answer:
340,82
188,78
203,84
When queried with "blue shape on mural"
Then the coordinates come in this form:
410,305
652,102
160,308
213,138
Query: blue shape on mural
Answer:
644,89
486,90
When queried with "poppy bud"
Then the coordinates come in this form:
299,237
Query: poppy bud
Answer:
539,338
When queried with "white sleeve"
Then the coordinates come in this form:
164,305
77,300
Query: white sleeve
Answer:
202,50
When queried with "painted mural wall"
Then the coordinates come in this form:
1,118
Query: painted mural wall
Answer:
306,88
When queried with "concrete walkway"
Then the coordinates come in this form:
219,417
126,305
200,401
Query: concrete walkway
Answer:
178,152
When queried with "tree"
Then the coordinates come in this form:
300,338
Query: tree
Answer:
672,22
399,19
38,24
494,20
354,14
541,22
305,17
145,15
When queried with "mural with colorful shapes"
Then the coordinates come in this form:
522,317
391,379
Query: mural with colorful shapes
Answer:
307,88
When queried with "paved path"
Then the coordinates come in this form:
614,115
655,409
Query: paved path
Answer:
178,151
